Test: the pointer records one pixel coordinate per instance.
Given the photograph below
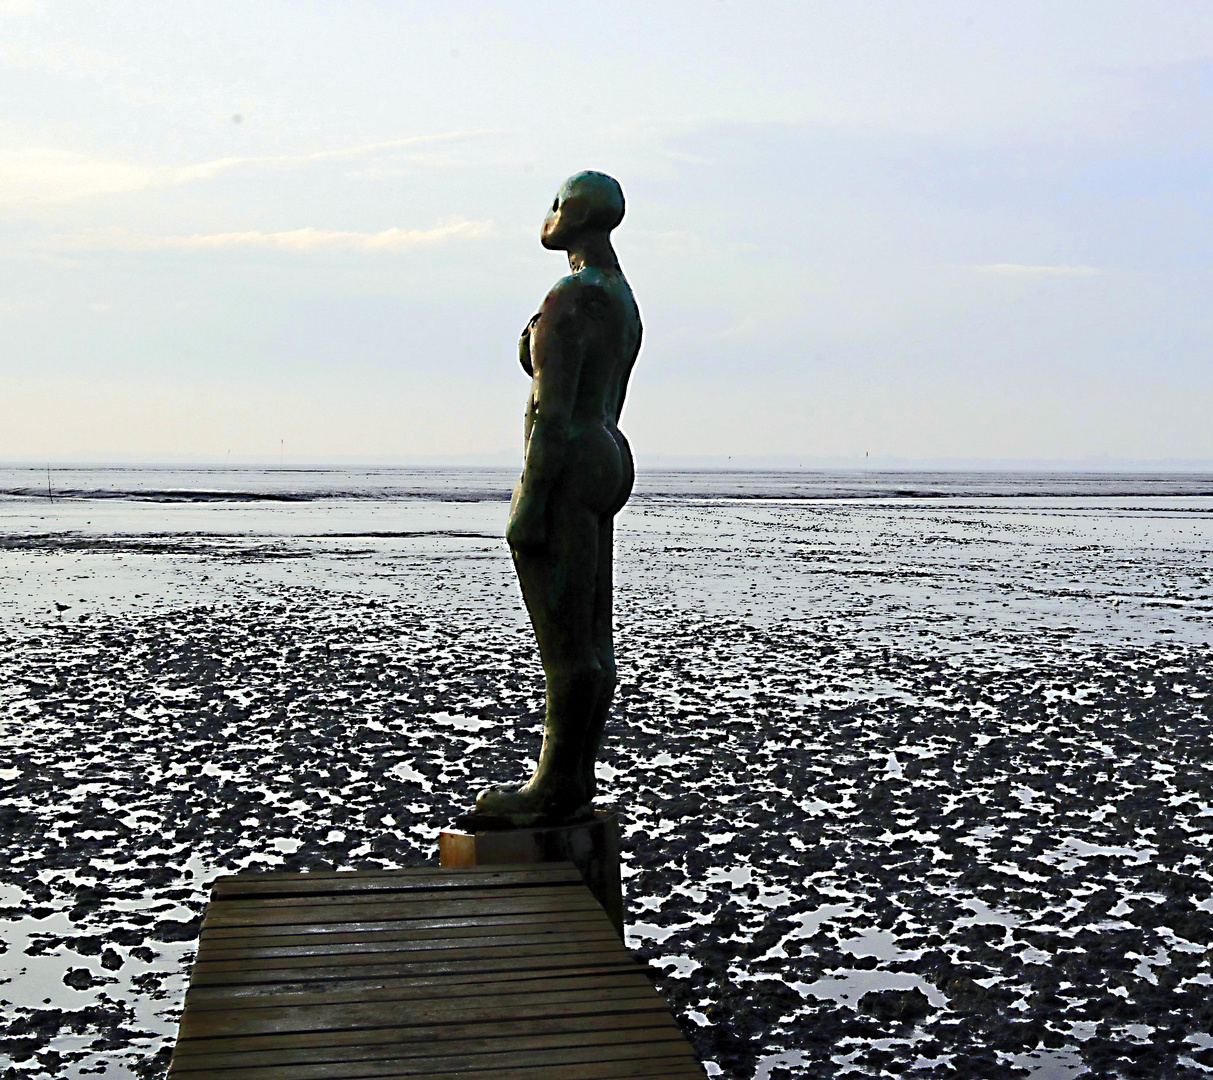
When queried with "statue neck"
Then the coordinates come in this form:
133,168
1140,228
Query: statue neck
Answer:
593,252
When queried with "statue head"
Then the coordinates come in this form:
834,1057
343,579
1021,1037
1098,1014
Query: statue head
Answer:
590,202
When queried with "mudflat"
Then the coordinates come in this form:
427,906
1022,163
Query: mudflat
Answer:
983,851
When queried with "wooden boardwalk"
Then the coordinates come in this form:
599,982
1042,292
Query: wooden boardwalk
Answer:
491,973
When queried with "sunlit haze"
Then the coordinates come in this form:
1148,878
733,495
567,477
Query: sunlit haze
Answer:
309,231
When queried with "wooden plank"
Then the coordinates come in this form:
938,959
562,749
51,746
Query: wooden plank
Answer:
562,967
400,896
496,933
519,950
671,1050
417,922
388,1011
399,1043
435,990
455,968
323,932
477,877
219,916
667,1069
528,918
257,995
404,873
519,947
341,1041
430,933
497,974
332,885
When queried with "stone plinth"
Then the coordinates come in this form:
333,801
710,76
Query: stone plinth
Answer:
592,846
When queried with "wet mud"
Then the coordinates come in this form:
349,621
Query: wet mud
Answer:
918,792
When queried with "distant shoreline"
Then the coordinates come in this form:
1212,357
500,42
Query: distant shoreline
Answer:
297,484
512,460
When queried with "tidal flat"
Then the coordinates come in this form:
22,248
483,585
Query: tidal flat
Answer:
914,784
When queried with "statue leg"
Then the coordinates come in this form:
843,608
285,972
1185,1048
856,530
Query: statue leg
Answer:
604,648
559,586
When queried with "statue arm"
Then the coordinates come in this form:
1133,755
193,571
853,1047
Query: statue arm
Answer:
524,346
623,383
555,355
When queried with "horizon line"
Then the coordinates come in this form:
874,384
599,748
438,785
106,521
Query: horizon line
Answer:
1100,463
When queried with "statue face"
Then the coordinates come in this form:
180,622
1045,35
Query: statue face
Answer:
561,223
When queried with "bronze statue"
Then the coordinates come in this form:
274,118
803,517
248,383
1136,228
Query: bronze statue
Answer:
579,350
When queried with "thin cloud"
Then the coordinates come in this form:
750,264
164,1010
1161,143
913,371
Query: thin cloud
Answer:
59,58
1024,270
42,176
18,9
292,240
205,170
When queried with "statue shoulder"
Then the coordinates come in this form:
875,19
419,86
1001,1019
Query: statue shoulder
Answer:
575,290
582,293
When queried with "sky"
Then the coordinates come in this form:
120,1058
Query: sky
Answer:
308,231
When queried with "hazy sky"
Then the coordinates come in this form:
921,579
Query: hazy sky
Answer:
915,229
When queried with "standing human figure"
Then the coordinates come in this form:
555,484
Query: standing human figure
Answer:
579,349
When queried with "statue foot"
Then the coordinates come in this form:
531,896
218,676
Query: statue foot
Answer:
529,806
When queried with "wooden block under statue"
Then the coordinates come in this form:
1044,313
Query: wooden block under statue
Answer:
592,846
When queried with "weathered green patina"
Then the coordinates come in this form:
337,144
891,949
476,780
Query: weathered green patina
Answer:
579,349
